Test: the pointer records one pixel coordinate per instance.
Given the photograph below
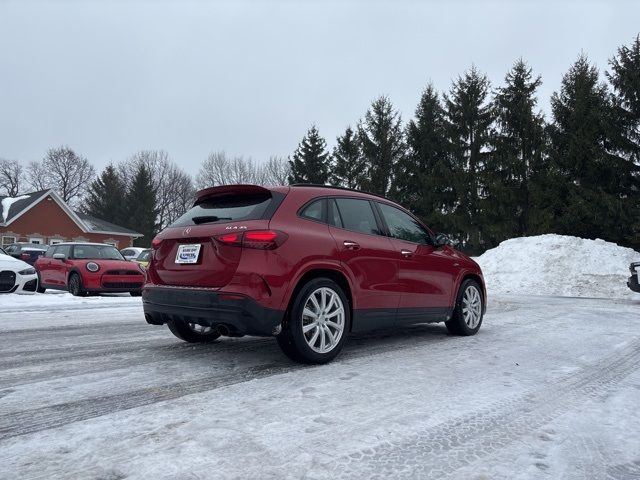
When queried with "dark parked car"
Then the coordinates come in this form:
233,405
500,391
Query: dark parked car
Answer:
83,268
307,264
633,283
27,252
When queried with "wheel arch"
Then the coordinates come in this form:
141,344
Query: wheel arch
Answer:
323,272
475,276
72,271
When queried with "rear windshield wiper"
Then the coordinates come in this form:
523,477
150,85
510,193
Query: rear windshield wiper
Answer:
208,219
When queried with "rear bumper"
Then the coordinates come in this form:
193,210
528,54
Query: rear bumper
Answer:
632,283
240,314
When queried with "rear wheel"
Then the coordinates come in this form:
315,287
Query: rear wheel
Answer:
75,286
468,311
193,332
318,322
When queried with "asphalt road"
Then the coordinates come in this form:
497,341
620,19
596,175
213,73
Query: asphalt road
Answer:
549,388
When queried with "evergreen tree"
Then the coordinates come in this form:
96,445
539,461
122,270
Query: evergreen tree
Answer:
383,145
625,131
513,171
141,206
106,196
469,117
348,167
423,180
592,182
310,161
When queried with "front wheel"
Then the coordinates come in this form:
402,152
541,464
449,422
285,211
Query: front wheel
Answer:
75,285
40,288
192,332
318,322
468,311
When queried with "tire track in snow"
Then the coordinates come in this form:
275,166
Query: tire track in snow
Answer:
440,451
19,423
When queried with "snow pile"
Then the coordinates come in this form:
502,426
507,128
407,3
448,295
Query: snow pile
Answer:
6,205
558,265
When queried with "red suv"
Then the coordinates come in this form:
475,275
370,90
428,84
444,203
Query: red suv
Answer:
307,264
83,268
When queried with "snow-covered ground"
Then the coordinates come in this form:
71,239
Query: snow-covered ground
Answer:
549,388
559,265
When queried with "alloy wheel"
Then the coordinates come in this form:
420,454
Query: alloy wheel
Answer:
323,319
472,306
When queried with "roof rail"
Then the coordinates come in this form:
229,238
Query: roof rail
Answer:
317,185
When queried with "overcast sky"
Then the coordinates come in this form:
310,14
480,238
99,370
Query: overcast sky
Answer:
111,78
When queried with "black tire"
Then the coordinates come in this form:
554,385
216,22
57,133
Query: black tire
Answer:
75,285
40,288
457,325
135,294
292,340
183,331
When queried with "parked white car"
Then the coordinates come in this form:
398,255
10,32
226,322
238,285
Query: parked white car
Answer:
131,253
17,276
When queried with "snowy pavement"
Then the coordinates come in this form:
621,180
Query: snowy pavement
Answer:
549,388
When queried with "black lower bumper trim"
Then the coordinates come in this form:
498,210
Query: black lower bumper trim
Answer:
241,314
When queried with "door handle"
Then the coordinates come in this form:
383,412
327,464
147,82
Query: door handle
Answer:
406,253
349,245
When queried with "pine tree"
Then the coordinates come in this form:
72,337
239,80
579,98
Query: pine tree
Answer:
106,196
469,117
383,145
625,131
513,171
310,161
348,167
141,206
423,180
590,179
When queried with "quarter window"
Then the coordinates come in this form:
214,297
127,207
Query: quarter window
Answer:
403,226
313,211
357,215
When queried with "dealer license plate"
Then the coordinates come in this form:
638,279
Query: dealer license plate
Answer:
188,253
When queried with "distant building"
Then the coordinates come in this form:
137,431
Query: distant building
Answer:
43,217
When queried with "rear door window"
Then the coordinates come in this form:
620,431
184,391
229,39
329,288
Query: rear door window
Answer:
357,215
230,208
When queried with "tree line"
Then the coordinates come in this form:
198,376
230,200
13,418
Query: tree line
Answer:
482,164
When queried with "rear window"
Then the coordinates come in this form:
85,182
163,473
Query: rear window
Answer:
229,209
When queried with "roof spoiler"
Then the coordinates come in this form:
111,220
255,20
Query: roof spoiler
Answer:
224,190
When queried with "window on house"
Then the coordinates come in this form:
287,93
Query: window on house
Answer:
54,242
36,240
8,240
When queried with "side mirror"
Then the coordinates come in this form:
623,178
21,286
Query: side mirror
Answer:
59,256
441,240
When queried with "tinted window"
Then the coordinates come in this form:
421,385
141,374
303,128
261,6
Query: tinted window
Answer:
403,226
357,215
12,248
226,209
127,253
106,252
334,214
49,253
313,211
144,256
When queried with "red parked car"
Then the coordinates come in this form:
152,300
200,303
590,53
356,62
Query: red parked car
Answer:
307,264
83,268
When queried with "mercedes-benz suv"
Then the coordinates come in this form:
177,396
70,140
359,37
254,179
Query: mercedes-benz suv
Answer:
308,265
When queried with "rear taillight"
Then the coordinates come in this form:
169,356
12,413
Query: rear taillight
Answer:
259,239
25,256
155,243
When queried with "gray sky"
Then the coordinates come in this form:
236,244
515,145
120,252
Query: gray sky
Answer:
111,78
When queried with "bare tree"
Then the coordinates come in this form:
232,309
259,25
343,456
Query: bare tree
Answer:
219,169
11,177
276,171
173,186
63,170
